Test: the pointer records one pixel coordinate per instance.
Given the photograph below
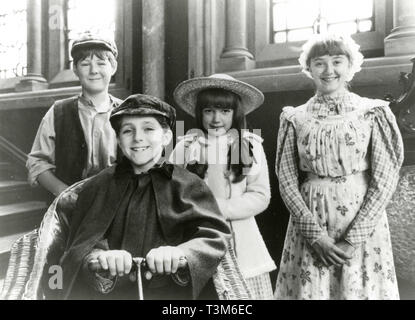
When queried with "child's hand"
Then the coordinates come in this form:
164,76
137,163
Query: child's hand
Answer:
329,253
346,247
117,262
164,260
68,201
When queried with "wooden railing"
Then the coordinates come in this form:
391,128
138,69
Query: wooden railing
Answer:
13,152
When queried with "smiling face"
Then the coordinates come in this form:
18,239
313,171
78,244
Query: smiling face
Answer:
217,121
142,139
95,73
330,73
218,110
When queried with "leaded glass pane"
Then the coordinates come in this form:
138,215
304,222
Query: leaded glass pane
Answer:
13,38
301,13
296,18
97,16
365,25
280,37
299,34
280,16
345,27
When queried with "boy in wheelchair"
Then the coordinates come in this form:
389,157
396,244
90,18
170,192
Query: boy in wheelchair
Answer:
140,207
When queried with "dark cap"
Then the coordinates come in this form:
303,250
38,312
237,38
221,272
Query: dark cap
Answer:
144,105
89,39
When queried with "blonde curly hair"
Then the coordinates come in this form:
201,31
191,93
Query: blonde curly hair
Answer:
331,44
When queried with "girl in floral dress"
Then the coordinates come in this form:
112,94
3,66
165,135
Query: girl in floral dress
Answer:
232,162
338,161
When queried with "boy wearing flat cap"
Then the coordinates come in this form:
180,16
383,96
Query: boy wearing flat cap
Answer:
143,207
75,139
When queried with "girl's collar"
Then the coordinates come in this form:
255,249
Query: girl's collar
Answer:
337,98
229,137
339,104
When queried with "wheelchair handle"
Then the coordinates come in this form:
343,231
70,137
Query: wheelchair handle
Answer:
95,266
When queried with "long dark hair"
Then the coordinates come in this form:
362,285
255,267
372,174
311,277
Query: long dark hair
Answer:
220,98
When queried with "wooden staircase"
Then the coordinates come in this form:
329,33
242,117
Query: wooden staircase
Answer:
21,206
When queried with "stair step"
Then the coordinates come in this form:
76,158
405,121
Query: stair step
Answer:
16,191
12,183
5,246
21,217
6,170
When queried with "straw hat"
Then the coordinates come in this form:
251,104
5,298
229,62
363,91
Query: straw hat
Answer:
186,92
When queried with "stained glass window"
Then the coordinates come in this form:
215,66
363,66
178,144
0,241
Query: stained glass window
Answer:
296,20
13,38
97,16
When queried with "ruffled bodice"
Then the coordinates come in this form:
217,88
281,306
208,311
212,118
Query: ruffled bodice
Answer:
331,144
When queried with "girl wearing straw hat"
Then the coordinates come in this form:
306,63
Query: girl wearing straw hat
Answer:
232,162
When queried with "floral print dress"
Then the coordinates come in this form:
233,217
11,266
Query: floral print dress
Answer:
338,162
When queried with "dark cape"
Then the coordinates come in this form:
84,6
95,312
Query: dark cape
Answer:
187,211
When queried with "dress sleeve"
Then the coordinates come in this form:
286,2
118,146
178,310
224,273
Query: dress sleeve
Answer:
386,161
42,156
257,195
286,168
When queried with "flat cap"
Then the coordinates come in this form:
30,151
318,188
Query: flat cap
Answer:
144,105
89,39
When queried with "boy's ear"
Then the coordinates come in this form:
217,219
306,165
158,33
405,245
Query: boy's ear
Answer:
75,70
114,67
167,136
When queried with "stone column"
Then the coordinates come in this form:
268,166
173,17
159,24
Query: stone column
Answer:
401,40
153,47
236,56
236,36
34,79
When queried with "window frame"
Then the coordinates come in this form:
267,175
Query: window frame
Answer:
3,80
280,54
54,49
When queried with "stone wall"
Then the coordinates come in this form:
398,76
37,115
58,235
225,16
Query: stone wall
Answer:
401,215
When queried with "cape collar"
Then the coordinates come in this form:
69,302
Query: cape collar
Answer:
124,168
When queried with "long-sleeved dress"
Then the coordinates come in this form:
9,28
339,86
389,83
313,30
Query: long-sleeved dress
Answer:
338,162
